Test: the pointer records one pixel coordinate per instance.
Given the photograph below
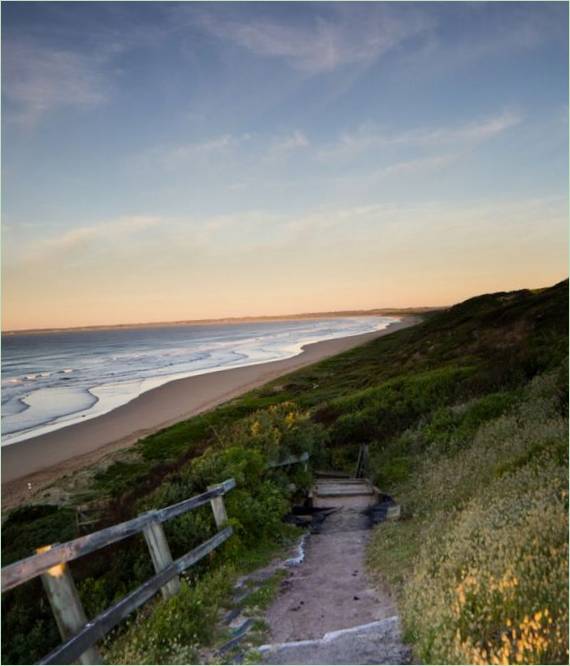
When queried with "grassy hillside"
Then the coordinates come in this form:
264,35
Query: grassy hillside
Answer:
466,418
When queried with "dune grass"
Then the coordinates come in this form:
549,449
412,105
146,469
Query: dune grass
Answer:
481,560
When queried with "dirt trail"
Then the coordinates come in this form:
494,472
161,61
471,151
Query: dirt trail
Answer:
330,592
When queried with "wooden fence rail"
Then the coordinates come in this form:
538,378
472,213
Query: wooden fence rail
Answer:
93,631
19,572
291,460
50,562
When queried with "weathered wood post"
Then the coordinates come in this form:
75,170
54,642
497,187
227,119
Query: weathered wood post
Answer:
66,605
160,554
365,460
358,464
219,509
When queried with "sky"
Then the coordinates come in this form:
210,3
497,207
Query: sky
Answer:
185,160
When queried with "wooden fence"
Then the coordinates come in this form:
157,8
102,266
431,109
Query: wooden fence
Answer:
50,563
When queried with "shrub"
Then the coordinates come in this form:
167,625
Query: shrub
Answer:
170,631
453,426
277,432
29,527
381,412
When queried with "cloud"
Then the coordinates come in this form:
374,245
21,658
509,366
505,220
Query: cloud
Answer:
37,80
82,240
370,137
327,39
476,131
421,164
174,156
427,223
294,141
248,148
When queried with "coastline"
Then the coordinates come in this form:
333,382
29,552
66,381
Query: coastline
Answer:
106,396
42,459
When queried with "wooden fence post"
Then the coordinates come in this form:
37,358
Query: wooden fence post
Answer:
219,509
66,605
160,554
358,464
365,460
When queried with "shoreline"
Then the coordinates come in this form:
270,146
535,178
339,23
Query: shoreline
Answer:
41,460
100,406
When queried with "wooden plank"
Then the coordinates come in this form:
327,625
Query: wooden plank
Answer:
160,554
365,457
358,463
30,567
331,474
219,511
290,461
194,502
66,607
344,490
69,651
20,572
345,479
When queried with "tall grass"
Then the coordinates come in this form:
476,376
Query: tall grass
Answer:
488,579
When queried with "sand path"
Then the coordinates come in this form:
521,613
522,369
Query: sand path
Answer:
328,610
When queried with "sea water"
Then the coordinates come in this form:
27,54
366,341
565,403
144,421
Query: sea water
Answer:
51,380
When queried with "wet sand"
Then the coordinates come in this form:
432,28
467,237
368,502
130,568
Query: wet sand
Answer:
43,459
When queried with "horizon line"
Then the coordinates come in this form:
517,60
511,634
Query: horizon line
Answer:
237,319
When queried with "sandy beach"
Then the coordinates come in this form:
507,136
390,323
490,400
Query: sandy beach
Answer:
43,459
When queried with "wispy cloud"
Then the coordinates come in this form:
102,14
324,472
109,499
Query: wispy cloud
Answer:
294,141
41,74
245,147
171,157
475,131
421,164
81,241
370,136
107,231
37,80
325,40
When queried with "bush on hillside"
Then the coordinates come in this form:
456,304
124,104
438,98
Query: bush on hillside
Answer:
171,631
380,412
489,580
277,432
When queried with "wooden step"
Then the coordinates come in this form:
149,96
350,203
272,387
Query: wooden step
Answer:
331,474
350,480
338,491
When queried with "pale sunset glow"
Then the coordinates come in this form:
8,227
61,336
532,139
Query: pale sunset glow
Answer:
200,160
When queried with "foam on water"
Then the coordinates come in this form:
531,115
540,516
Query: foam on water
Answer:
56,379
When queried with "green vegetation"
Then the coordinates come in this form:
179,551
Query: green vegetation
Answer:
263,596
466,420
481,563
172,630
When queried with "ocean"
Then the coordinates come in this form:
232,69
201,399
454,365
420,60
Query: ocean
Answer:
52,380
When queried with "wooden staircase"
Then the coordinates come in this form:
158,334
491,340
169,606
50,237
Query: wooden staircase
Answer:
330,491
